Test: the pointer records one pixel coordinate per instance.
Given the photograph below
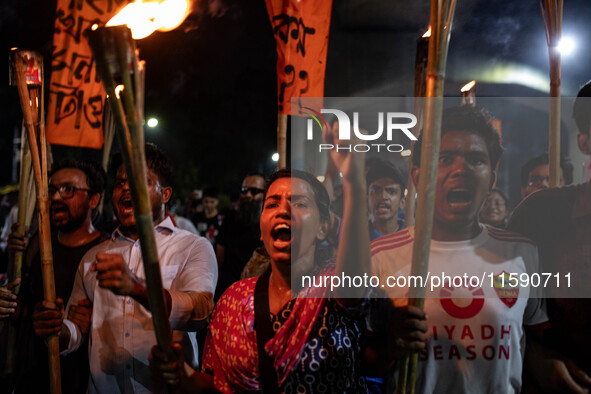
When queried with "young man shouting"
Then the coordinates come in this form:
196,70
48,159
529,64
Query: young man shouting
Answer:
470,336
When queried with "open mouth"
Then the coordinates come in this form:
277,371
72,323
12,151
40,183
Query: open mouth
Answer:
383,208
282,237
125,205
459,198
59,211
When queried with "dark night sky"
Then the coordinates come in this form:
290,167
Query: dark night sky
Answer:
211,83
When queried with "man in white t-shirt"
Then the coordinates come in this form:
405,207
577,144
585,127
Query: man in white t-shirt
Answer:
471,335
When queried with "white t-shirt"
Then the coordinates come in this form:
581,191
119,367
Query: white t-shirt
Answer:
476,336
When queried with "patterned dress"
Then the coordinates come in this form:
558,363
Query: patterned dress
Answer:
316,347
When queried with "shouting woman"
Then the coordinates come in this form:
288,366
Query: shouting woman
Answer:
271,334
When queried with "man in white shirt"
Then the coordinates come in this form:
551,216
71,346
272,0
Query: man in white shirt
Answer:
111,277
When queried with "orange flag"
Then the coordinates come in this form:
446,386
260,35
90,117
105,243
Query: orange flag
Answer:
76,96
301,34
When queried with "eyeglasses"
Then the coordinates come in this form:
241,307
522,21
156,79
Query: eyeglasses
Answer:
253,190
537,180
65,191
497,203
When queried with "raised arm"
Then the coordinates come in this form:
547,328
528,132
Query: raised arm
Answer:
353,257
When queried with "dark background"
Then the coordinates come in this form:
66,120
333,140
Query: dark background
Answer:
211,83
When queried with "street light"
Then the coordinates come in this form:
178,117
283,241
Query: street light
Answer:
152,122
566,46
275,157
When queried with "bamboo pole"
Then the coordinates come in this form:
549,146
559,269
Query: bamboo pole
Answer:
17,260
420,68
130,135
40,172
23,196
552,16
411,197
32,191
282,141
109,133
22,224
442,12
47,155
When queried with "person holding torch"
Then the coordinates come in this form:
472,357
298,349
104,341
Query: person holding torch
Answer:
559,221
287,337
470,334
111,278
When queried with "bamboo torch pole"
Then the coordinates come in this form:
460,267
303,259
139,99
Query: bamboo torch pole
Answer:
46,155
282,141
109,133
552,16
109,126
114,52
442,12
17,259
32,201
420,68
40,171
23,196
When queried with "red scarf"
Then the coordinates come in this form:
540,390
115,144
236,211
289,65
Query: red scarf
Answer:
231,347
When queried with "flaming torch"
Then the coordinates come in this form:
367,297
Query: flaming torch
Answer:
28,74
552,16
421,63
468,97
420,75
143,18
34,81
122,75
442,12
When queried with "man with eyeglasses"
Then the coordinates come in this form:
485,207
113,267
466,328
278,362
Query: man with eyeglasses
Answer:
535,174
75,190
240,234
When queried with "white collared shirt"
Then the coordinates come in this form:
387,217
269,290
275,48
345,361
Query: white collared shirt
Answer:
122,332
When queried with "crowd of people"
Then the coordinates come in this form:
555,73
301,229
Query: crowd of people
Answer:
243,318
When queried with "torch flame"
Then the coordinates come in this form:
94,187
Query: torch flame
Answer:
468,86
145,18
118,90
427,33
